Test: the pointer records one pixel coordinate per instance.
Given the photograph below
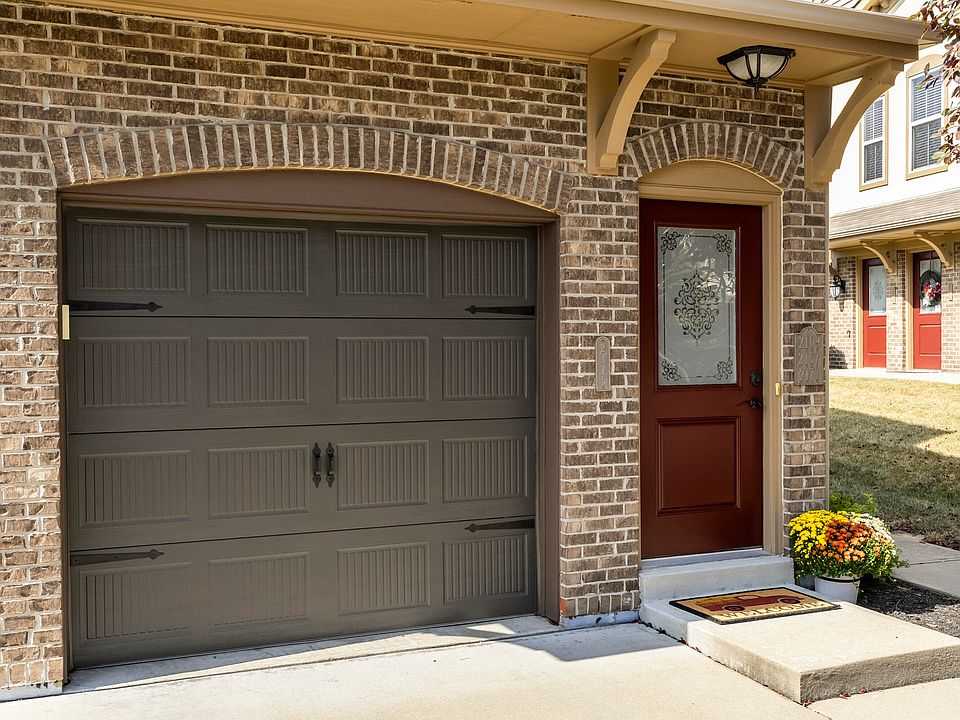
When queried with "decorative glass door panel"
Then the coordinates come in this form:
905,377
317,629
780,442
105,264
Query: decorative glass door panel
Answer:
928,284
877,279
697,297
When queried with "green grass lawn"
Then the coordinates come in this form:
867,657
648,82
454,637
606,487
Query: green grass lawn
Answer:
899,440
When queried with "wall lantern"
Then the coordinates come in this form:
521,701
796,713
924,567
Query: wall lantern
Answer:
837,287
756,65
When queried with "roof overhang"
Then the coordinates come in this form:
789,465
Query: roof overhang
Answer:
831,42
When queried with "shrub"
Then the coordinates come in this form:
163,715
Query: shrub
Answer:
844,503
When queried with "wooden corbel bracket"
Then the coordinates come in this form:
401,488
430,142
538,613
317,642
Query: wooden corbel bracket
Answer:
824,153
942,245
886,252
610,106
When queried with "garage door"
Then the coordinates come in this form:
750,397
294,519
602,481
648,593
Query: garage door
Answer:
283,429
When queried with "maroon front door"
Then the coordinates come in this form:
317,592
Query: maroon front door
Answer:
874,308
926,311
701,382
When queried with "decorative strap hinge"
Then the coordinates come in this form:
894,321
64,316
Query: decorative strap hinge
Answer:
99,558
526,524
85,305
503,309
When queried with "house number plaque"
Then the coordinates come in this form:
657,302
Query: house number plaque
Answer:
602,359
808,357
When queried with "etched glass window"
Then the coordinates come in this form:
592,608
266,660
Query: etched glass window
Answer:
928,283
877,278
697,284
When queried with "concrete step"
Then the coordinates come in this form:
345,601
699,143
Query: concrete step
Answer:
820,655
714,577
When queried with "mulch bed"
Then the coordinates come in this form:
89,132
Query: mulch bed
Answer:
914,604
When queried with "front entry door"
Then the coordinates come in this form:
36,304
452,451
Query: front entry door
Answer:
874,314
926,311
701,361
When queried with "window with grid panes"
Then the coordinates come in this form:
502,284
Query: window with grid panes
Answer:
926,112
874,145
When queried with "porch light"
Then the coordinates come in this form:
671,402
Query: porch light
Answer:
837,287
756,65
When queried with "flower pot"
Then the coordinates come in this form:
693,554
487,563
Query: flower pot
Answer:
845,589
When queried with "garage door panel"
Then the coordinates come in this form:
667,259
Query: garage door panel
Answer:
284,428
131,372
204,266
167,487
211,595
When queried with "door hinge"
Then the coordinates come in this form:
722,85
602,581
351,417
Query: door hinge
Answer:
64,322
509,525
83,305
98,558
503,309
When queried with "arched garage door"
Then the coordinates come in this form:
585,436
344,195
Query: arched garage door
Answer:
312,435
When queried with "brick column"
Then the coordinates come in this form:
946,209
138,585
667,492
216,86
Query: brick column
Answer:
950,317
898,314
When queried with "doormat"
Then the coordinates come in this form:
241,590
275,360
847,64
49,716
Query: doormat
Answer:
753,605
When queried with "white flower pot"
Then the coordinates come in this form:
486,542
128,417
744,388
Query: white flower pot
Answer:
844,589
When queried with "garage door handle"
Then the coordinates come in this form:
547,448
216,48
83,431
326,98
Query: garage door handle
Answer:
331,467
317,464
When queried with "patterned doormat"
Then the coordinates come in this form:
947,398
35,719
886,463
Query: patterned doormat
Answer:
747,605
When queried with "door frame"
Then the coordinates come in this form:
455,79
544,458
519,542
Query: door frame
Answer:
716,181
387,199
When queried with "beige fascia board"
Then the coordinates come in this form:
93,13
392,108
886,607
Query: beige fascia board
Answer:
801,23
930,223
606,139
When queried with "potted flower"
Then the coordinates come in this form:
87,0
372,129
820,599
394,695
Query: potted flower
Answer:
839,548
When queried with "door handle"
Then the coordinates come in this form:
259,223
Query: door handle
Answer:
756,403
317,464
331,468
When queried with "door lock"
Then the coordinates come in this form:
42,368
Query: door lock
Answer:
756,403
756,378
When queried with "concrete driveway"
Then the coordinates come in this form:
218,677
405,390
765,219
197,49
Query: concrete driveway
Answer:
617,672
627,672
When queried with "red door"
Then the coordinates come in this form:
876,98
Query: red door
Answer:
874,309
926,311
701,359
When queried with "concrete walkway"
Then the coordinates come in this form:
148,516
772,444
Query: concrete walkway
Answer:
931,566
611,673
880,374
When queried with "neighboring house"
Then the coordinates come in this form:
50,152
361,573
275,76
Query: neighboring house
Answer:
894,225
326,318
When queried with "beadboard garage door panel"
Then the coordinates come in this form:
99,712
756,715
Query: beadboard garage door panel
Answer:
160,487
171,373
200,597
193,429
209,266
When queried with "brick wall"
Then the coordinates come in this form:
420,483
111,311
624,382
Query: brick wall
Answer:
950,317
843,317
898,313
78,77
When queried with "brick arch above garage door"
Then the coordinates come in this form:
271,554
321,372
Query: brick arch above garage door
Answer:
739,145
150,152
